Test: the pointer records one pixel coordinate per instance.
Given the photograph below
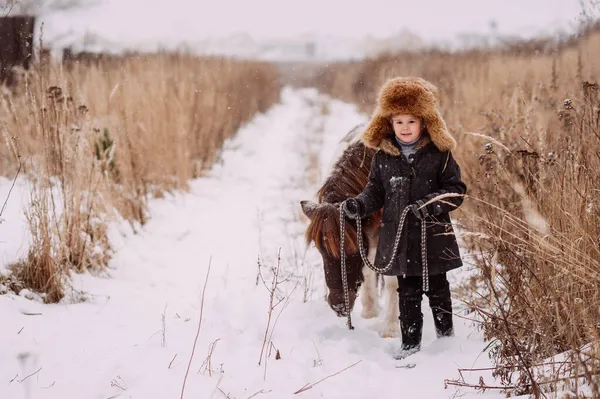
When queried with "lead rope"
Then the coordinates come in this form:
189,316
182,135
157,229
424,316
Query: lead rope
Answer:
344,272
365,259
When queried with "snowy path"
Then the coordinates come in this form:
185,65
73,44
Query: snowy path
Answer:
133,337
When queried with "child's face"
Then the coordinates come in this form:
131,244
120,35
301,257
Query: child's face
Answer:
407,127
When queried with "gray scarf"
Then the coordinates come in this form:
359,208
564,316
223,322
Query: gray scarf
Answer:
408,148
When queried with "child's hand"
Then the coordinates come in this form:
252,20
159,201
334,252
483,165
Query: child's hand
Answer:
419,210
351,208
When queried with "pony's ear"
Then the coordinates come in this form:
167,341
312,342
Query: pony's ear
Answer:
309,208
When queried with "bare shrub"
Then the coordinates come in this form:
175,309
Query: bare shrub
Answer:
527,122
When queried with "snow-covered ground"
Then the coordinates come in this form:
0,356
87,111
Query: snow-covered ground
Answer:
14,232
134,335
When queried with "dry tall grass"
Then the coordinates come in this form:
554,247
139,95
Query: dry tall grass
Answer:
97,140
528,123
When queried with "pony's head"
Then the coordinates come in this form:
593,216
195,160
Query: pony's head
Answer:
324,231
347,178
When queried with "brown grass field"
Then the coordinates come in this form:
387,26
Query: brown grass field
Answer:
98,139
527,119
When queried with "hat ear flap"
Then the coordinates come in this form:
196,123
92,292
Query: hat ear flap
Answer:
379,127
438,131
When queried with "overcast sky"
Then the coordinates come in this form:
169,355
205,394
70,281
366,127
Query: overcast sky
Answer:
182,20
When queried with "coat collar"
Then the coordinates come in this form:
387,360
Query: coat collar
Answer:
391,147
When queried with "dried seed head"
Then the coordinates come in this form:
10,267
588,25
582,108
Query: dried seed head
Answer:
55,91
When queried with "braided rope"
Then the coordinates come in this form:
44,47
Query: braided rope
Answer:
344,271
361,247
424,264
363,255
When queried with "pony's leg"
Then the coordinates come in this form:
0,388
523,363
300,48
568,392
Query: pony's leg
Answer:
370,294
391,323
369,297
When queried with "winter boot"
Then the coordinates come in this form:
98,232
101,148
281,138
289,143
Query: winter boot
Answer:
411,339
410,294
443,323
441,305
405,352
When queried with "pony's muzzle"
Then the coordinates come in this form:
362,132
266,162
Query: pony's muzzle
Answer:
335,299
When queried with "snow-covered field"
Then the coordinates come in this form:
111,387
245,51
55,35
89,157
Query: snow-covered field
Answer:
134,335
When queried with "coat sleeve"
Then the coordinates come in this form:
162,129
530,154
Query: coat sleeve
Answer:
450,182
372,197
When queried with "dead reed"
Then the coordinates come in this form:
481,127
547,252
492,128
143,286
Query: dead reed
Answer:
527,120
103,137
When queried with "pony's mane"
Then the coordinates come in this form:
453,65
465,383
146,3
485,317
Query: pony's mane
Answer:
349,175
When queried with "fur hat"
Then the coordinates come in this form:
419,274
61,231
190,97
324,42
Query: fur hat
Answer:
407,95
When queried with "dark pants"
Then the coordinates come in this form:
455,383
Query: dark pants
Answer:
410,292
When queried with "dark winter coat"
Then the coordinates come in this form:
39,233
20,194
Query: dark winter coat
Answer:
394,183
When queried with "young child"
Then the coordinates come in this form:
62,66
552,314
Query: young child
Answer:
413,165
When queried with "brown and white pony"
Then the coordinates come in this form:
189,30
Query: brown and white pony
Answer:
347,178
